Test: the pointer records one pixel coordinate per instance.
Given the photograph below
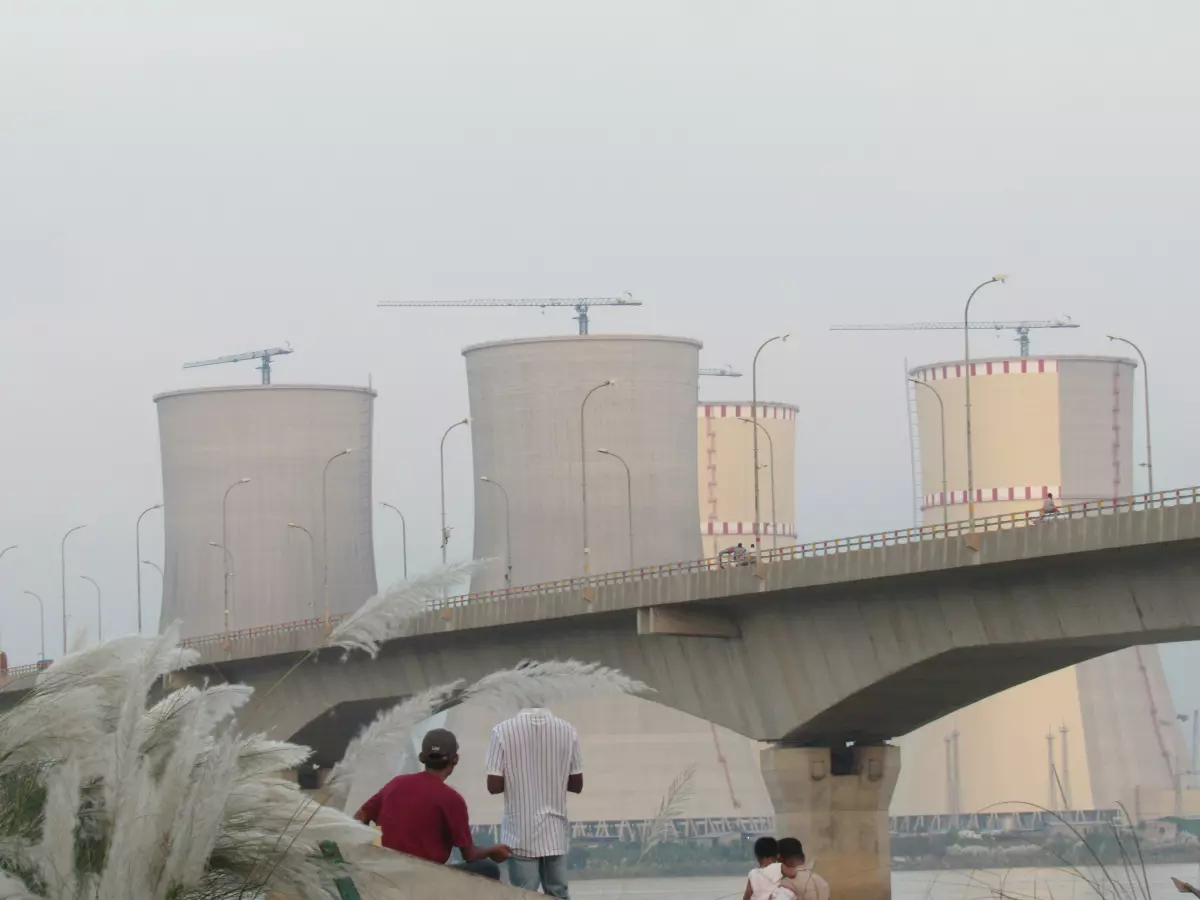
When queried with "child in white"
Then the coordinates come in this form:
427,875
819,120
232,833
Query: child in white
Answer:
762,882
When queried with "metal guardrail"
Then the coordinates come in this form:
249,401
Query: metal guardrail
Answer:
812,549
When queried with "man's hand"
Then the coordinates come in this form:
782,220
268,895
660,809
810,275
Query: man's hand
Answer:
500,853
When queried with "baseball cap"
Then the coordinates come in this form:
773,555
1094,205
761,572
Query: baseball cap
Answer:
439,745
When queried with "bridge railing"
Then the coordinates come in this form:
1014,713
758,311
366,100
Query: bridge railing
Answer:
811,549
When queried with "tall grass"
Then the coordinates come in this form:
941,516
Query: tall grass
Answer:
108,792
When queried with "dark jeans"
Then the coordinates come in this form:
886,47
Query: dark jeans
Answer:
484,868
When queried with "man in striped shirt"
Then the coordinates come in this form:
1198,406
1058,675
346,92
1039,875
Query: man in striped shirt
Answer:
534,760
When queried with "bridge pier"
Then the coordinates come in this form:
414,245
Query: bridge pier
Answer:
836,803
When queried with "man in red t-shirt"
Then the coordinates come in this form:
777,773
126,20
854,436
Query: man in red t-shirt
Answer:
424,817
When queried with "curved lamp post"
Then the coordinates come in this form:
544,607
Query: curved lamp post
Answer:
442,476
995,279
225,543
771,457
507,530
137,537
942,416
63,560
628,497
1146,389
325,530
99,608
42,607
583,470
754,417
403,534
312,566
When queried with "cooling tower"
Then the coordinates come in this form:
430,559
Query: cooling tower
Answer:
1088,736
726,469
280,437
527,404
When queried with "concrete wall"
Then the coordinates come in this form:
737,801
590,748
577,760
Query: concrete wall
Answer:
278,436
726,474
525,400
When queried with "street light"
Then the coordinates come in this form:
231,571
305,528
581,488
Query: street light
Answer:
225,543
6,549
1146,388
325,530
42,607
442,476
137,529
583,471
403,535
63,559
942,415
628,496
507,530
771,457
995,279
227,562
312,575
754,417
99,609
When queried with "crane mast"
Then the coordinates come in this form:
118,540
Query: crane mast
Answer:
581,305
1021,328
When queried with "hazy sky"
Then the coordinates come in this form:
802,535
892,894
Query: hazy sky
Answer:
180,181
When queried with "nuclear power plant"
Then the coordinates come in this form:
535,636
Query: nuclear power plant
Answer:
242,464
1091,736
583,450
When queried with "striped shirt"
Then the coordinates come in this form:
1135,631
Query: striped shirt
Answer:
535,752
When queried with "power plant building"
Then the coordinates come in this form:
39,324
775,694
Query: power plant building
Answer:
1085,737
527,411
280,437
525,401
725,434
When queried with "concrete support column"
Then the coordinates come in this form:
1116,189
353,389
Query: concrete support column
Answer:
836,803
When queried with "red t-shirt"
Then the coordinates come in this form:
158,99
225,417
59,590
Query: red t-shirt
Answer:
420,815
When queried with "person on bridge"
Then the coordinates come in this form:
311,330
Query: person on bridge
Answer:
534,760
424,817
1048,506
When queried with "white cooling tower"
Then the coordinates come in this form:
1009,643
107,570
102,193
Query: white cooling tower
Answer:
280,437
527,414
1088,736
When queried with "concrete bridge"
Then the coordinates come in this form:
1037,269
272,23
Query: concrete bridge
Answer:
825,650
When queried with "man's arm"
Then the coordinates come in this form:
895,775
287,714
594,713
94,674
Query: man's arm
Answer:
460,834
368,813
495,764
749,891
575,778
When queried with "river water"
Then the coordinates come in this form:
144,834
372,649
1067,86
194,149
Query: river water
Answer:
978,884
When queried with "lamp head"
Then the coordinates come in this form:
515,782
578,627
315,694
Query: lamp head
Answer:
243,481
785,337
292,525
611,382
1001,278
348,450
602,450
1111,337
465,421
484,478
214,544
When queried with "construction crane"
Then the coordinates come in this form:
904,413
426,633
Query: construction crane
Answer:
581,304
1021,328
264,355
723,372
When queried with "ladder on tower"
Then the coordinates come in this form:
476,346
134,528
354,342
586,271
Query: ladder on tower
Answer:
914,447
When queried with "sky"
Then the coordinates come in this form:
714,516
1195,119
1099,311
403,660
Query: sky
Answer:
182,181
